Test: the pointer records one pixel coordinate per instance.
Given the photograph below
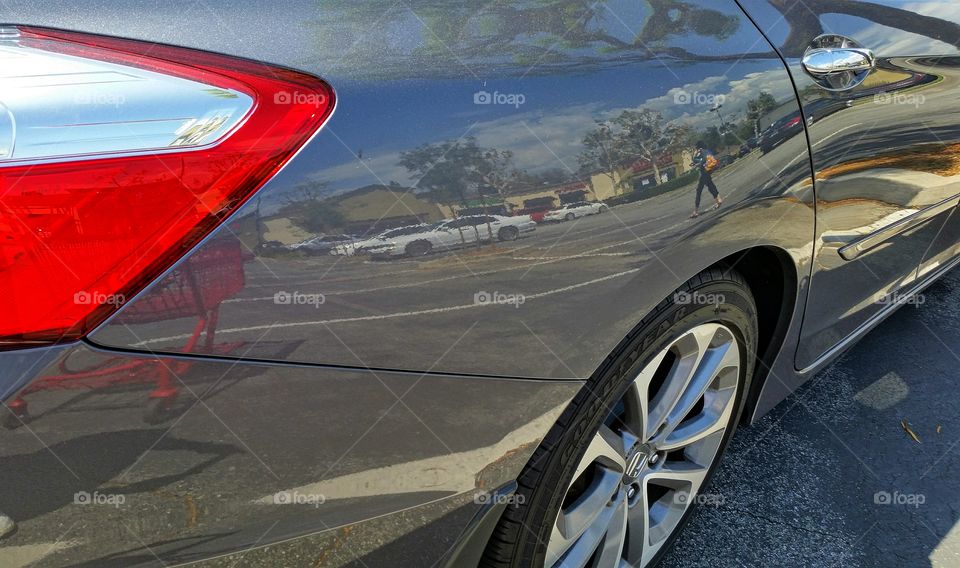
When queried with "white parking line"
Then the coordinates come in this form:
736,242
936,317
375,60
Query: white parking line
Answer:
388,316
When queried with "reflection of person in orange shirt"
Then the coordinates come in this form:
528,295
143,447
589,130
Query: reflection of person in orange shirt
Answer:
706,163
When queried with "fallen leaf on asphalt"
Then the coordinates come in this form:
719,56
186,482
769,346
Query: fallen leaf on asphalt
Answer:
909,431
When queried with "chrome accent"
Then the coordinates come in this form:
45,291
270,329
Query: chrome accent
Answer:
837,63
827,60
853,250
59,105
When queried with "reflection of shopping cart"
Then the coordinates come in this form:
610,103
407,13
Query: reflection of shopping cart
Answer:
195,288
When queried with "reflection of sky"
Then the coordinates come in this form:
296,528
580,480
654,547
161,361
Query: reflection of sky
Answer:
558,111
884,40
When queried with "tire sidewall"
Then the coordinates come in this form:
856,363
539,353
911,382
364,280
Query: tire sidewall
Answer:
508,234
668,323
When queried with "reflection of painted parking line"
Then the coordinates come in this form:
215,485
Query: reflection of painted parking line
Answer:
527,297
829,136
537,262
585,255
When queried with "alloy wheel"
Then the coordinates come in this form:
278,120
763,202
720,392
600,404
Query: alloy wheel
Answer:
645,466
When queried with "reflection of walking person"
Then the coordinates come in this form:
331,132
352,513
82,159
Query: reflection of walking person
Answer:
706,163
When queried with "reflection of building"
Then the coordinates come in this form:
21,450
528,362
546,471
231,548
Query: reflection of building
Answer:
641,175
549,197
363,211
377,207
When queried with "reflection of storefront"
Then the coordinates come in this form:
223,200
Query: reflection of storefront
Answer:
572,194
485,206
644,175
545,198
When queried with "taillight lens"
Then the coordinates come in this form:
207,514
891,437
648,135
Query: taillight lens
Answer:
116,156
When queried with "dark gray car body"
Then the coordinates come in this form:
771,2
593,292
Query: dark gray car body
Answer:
388,398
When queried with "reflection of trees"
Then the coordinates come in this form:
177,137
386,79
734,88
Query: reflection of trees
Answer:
615,144
525,33
443,36
453,170
644,134
602,152
306,208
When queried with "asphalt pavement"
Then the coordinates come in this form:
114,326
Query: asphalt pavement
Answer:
832,477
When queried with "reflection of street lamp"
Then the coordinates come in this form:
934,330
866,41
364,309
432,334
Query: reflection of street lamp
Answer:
723,125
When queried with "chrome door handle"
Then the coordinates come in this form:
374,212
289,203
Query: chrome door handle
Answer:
831,60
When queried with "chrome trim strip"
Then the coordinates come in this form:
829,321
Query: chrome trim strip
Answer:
876,319
853,250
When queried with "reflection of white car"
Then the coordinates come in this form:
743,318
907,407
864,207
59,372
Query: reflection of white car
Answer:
571,211
323,244
452,234
361,246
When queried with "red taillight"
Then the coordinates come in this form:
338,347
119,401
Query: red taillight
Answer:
82,231
793,122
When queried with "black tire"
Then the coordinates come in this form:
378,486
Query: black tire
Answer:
419,248
520,538
570,217
508,234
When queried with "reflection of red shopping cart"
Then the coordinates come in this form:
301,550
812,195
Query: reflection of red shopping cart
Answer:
195,288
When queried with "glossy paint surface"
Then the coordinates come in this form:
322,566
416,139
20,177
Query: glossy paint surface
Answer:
120,460
422,132
882,151
297,386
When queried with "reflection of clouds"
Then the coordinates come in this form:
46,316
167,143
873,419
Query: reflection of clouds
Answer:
887,41
562,132
736,93
554,137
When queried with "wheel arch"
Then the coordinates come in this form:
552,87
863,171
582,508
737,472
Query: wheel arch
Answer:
771,273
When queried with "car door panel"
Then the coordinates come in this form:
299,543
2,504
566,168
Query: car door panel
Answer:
883,152
394,115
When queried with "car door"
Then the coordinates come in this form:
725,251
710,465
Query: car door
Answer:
461,232
878,92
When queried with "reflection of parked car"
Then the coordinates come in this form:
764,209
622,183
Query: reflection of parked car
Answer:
780,130
452,234
571,211
360,246
323,244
